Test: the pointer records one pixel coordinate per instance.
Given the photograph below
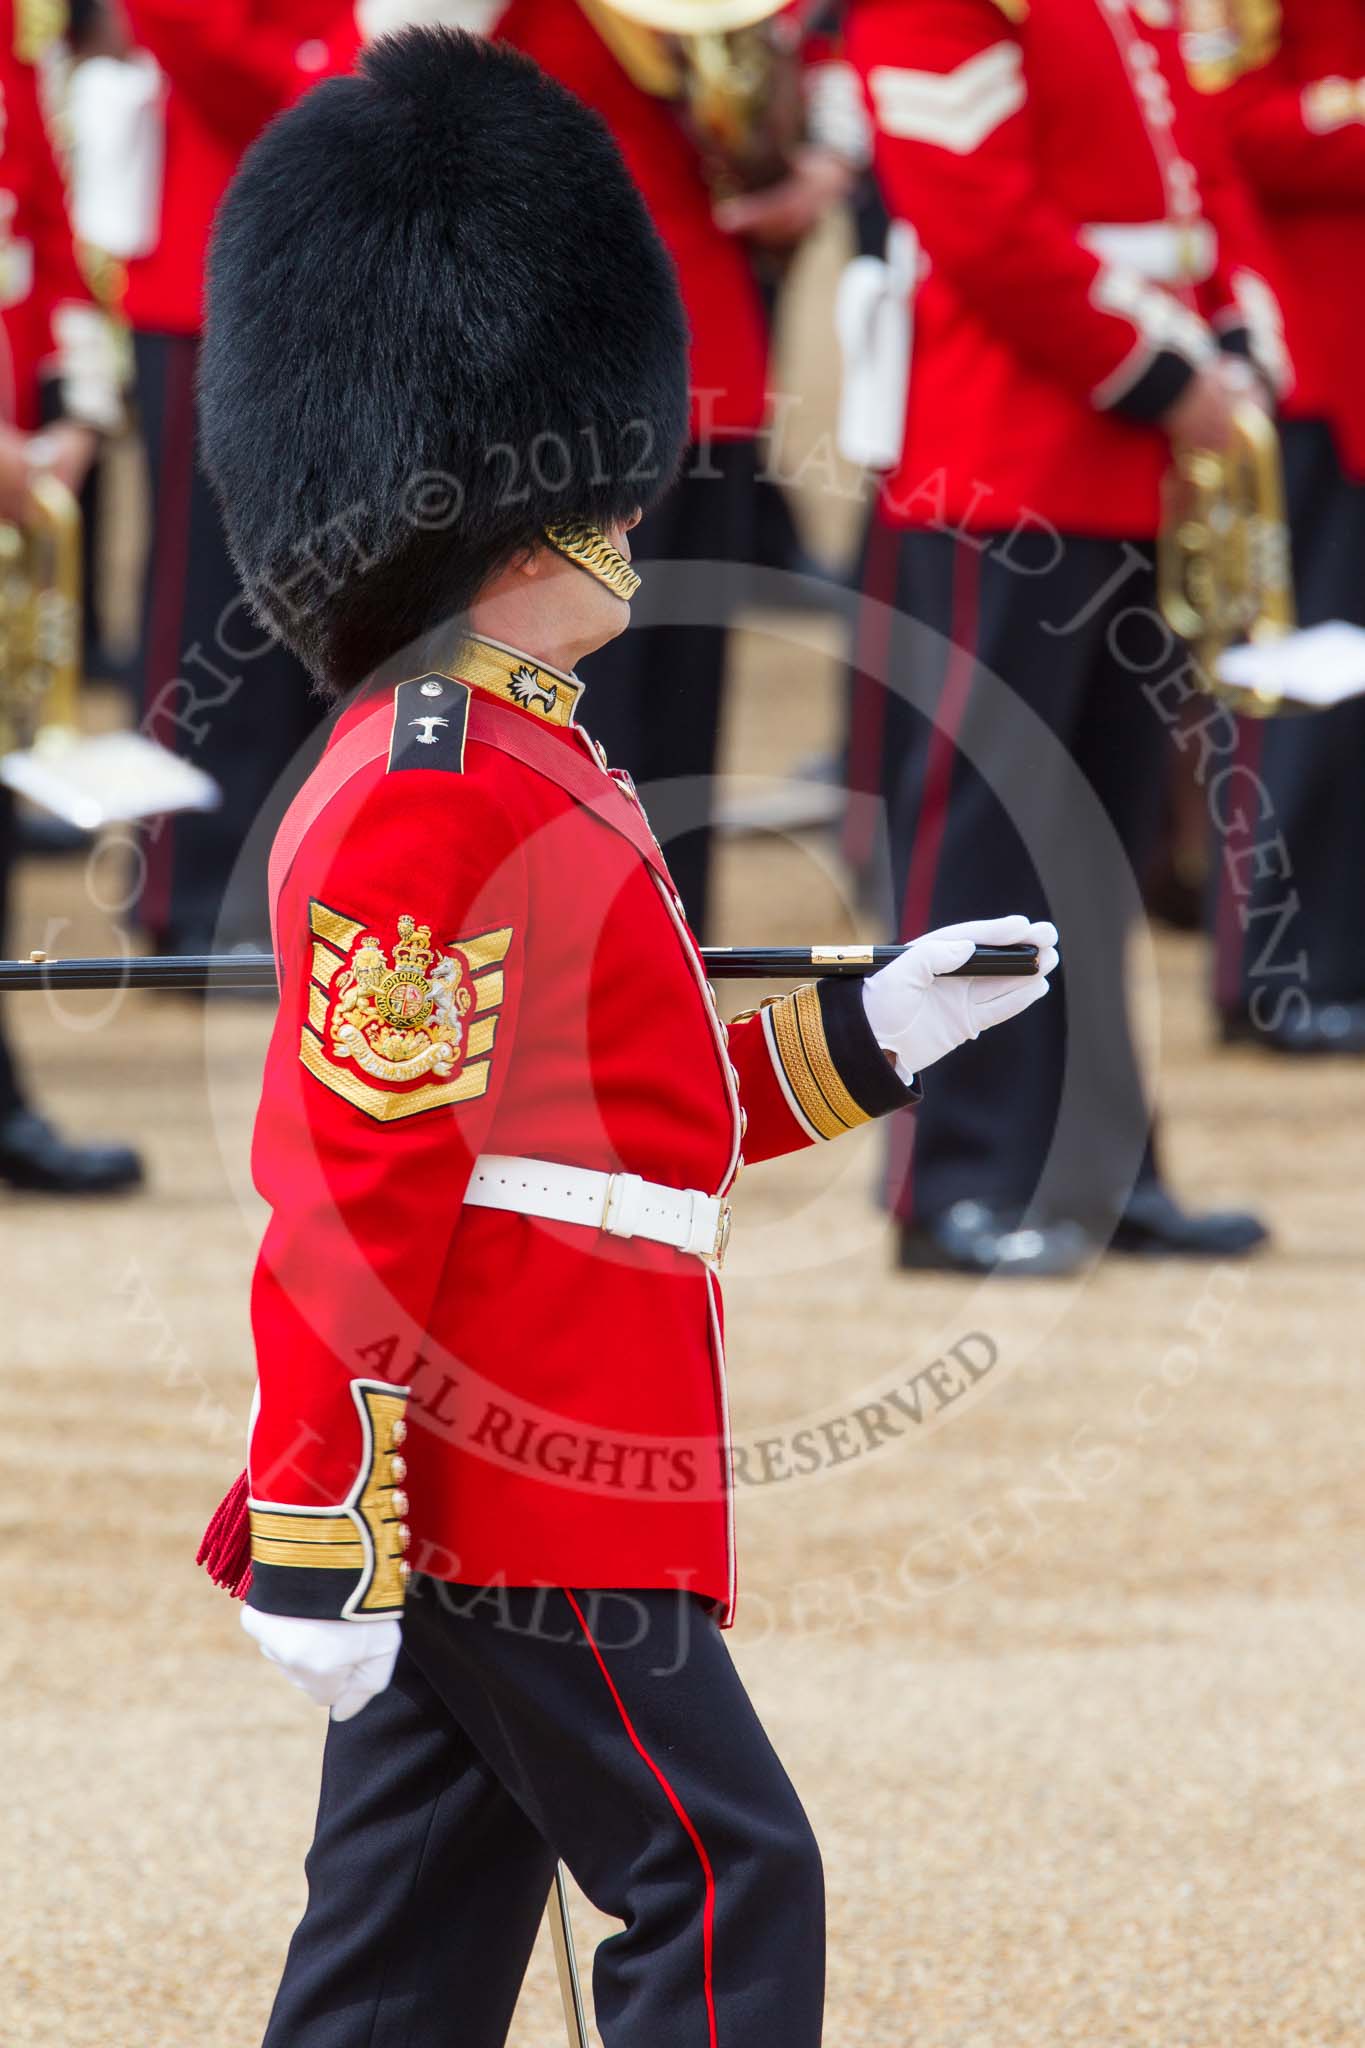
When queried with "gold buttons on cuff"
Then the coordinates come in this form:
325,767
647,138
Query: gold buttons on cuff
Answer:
400,1503
400,1432
398,1468
404,1536
404,1570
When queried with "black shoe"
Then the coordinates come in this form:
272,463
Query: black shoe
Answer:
1322,1028
970,1238
37,1159
1154,1226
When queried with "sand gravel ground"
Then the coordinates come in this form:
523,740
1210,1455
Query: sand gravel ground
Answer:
1071,1680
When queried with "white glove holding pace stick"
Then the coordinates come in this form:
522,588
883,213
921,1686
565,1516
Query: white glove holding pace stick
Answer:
918,1015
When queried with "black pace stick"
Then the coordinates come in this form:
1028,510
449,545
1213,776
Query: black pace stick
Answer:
254,973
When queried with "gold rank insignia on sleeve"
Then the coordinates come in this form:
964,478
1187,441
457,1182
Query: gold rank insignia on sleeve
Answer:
1221,40
400,1025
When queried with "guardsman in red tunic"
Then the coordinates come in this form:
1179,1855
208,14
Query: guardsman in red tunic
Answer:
1089,288
1290,82
58,393
489,1489
214,688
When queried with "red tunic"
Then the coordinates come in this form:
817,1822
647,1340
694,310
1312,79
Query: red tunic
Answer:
1007,134
39,273
564,1389
230,66
1296,113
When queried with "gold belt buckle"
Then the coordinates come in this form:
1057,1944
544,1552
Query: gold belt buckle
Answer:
716,1256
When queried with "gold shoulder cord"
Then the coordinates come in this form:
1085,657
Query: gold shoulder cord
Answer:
589,547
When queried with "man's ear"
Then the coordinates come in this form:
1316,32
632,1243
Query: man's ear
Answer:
527,561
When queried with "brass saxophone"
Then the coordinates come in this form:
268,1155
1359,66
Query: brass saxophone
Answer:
1224,568
40,619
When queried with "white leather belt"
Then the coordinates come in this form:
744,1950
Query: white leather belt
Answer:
1163,251
621,1204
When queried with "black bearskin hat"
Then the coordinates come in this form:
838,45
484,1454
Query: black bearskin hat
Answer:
439,320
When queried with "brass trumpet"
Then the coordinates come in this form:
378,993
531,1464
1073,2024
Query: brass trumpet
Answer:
1224,569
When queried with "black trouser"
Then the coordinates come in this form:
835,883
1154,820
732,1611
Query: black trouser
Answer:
1293,918
217,688
609,1729
654,694
1022,772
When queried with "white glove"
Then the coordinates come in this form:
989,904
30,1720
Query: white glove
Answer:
340,1664
917,1015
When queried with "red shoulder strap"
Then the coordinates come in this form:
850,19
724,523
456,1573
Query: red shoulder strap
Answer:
498,725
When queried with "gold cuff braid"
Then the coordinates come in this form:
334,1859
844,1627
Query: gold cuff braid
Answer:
367,1534
800,1049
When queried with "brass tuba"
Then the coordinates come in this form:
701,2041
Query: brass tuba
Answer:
733,70
91,780
1224,568
40,618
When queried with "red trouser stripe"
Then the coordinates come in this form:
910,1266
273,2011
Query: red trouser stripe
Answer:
709,1906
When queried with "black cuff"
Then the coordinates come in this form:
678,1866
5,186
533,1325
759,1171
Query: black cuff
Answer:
864,1068
1240,342
1157,389
294,1589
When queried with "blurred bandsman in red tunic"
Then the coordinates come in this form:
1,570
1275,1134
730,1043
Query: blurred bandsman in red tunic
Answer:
738,130
1089,289
58,393
215,688
1290,82
501,1118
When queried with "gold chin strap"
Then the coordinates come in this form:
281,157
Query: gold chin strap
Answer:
589,547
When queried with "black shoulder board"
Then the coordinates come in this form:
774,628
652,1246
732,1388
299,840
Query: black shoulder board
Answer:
429,718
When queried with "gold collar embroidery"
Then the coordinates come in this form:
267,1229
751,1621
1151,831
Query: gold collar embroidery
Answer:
514,677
